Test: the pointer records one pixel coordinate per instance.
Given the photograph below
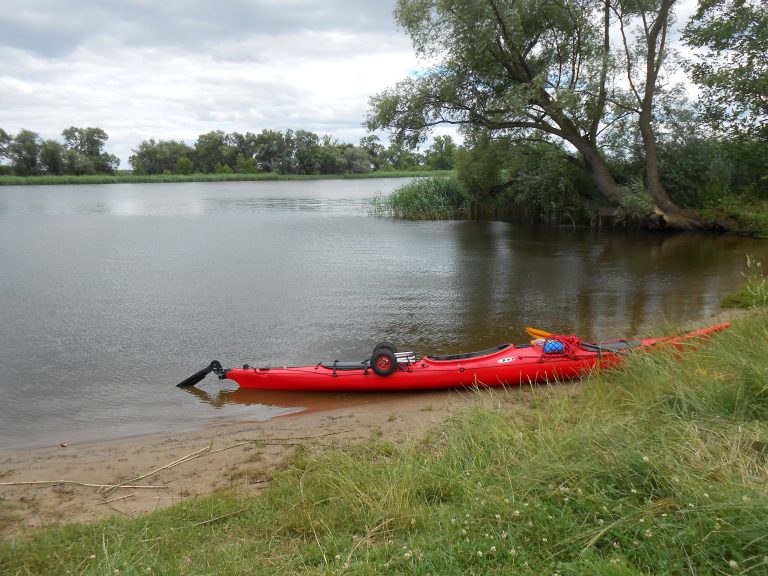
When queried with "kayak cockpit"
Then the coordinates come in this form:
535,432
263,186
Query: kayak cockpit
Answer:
468,355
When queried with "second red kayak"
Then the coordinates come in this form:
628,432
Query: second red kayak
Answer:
559,357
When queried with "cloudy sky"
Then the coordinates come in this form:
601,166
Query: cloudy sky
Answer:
175,69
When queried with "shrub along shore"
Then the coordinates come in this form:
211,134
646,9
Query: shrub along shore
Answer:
658,467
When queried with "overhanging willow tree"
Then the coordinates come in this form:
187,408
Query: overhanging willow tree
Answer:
558,71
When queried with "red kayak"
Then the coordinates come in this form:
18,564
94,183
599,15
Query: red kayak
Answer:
556,357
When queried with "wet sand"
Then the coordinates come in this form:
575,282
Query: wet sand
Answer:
76,483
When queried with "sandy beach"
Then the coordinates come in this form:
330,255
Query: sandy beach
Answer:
85,482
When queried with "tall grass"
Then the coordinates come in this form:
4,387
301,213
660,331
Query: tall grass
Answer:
434,198
659,468
753,292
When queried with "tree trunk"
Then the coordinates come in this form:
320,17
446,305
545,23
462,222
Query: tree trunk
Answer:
666,212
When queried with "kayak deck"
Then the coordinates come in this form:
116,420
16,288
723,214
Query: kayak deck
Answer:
503,365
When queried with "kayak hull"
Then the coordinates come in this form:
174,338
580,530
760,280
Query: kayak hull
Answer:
506,365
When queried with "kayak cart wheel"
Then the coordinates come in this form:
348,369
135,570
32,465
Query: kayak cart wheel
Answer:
386,345
383,362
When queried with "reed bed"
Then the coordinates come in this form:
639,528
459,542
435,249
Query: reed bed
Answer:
658,467
433,198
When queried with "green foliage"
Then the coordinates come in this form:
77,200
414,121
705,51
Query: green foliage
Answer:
479,165
753,292
212,149
635,199
441,155
53,157
152,157
24,153
184,165
533,71
81,153
656,468
423,199
732,38
5,140
85,147
271,151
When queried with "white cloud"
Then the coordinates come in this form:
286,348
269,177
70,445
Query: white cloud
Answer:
175,70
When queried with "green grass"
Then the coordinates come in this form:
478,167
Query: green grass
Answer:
753,291
127,178
657,468
433,198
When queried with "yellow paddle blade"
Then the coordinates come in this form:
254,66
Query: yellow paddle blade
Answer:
536,333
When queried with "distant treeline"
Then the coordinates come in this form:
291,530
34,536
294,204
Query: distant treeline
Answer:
284,152
270,151
81,153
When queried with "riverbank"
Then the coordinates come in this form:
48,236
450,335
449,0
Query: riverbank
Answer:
234,453
654,468
129,178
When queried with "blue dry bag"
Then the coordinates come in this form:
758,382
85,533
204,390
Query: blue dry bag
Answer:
553,347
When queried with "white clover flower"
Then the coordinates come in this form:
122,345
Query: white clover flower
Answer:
408,555
337,557
492,550
600,521
513,551
616,545
480,553
732,563
516,513
648,534
646,459
503,535
633,491
498,516
544,540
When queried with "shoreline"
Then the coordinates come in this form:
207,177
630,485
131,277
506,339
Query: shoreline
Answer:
87,482
77,483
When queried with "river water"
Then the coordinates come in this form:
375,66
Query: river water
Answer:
109,295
